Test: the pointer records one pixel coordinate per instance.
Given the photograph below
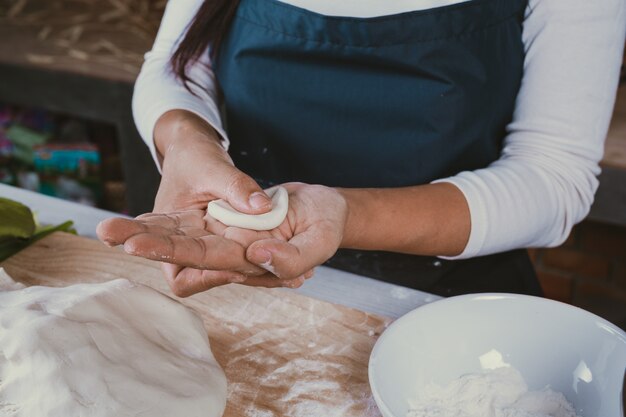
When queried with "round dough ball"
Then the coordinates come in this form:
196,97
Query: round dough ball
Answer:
102,350
226,214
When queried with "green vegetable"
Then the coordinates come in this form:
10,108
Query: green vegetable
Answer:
16,220
19,228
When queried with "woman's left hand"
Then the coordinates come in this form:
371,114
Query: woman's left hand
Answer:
310,234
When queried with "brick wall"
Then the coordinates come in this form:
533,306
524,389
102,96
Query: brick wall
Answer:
588,270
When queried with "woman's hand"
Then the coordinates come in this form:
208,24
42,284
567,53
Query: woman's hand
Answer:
196,169
194,259
203,253
310,234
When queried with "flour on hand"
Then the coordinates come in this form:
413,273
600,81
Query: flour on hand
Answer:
499,392
101,350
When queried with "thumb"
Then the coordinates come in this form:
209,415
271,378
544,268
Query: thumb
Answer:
289,260
243,193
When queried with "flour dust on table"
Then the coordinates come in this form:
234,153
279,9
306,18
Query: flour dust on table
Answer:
500,392
100,350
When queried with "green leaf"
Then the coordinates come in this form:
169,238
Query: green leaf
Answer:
10,247
16,220
19,228
46,230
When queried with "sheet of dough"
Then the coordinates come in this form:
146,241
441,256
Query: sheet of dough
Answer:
101,350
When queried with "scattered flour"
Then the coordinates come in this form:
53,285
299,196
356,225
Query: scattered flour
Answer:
231,328
256,412
499,392
400,293
268,267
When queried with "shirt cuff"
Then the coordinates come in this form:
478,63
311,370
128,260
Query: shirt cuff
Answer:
152,116
478,217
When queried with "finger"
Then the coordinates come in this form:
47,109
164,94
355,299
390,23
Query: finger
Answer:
188,223
245,237
207,252
290,259
242,192
185,281
174,220
115,231
214,226
242,236
273,282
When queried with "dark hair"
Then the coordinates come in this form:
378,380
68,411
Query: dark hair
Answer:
208,27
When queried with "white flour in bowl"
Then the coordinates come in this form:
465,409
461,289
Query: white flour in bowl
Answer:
499,392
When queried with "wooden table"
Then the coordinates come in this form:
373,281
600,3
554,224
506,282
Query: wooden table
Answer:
283,354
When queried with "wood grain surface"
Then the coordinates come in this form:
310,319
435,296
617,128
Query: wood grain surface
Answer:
101,39
284,354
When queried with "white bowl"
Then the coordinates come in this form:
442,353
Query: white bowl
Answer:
550,343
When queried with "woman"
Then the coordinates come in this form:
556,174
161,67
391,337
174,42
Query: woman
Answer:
445,137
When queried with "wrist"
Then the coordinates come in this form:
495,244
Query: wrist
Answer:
431,219
355,213
176,126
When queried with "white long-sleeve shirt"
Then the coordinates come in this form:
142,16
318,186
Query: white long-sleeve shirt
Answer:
544,181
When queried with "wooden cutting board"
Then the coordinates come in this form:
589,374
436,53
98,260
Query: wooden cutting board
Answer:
285,355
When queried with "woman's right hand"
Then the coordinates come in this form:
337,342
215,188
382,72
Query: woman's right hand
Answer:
197,169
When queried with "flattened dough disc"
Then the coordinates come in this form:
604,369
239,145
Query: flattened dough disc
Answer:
225,213
102,350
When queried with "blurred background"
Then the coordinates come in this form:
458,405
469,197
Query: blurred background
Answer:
67,69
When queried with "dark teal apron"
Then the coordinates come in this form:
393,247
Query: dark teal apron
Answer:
377,102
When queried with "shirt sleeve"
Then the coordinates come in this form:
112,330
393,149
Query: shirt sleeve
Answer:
546,177
158,91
